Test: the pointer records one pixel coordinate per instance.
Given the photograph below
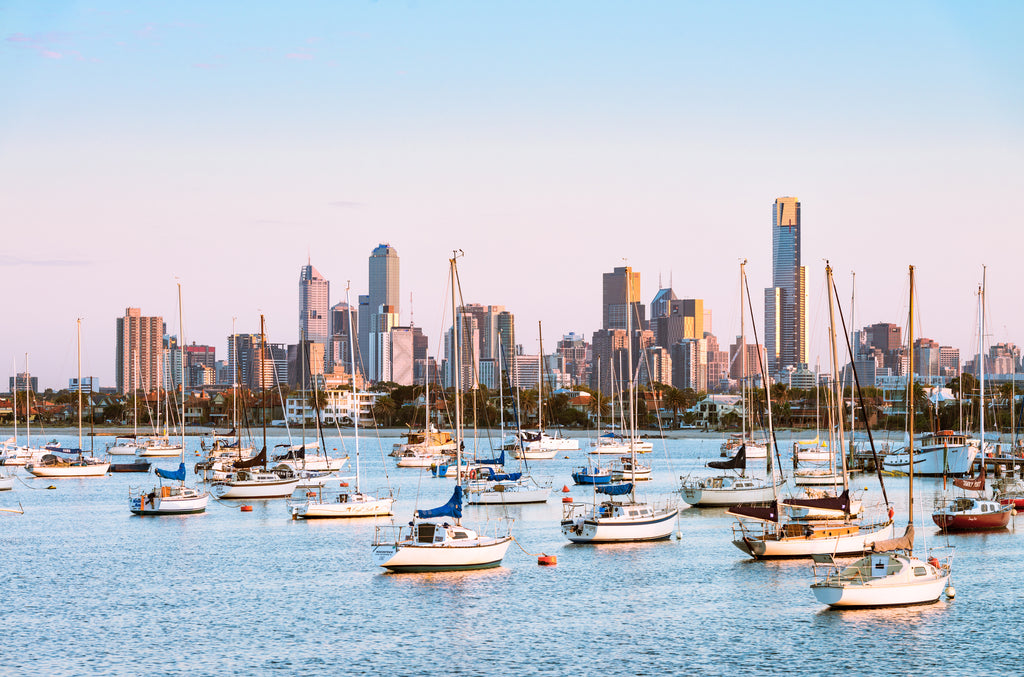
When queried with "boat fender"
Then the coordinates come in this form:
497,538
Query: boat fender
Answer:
472,474
934,562
891,512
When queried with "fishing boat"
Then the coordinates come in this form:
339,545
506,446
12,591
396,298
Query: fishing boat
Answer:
889,574
619,517
768,532
354,503
429,542
53,465
945,452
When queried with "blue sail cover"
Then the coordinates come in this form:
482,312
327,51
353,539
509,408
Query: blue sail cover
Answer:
506,477
616,489
178,474
494,461
453,508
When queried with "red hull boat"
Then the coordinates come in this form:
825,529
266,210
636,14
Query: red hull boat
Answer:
972,514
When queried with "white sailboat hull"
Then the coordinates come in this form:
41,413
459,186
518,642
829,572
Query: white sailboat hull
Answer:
620,448
160,451
620,529
256,488
879,593
712,497
511,494
85,470
355,505
417,557
856,543
122,450
7,483
535,454
190,503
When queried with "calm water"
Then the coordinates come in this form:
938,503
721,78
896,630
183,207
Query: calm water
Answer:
88,588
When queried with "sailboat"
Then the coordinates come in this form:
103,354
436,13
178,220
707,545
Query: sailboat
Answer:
489,483
540,445
126,445
611,443
171,499
51,465
15,455
974,513
733,489
427,544
767,532
620,517
347,503
246,481
889,575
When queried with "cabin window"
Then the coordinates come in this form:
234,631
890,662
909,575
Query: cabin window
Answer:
984,507
460,534
919,571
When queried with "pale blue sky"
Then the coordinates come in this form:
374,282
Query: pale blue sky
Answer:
220,142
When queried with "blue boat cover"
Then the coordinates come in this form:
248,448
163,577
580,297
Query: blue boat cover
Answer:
453,508
616,489
178,474
494,461
506,477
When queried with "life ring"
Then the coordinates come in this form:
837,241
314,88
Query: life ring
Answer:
472,474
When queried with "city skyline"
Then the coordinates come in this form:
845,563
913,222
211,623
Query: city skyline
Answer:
137,151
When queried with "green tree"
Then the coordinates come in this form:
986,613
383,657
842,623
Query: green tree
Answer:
384,410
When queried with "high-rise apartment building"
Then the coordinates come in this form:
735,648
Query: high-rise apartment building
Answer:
468,358
620,302
682,319
314,291
785,302
139,351
339,355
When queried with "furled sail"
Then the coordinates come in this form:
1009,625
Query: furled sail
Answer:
739,461
615,489
840,502
258,459
453,508
178,474
904,542
769,513
500,460
972,483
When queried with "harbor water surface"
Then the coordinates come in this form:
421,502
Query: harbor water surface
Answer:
89,588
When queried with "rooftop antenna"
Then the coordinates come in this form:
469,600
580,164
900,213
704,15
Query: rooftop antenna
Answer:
659,280
670,278
411,323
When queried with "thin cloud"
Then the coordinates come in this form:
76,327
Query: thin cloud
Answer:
13,261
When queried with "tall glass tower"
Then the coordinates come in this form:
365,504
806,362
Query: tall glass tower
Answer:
785,302
381,311
314,321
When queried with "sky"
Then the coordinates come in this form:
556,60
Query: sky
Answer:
221,145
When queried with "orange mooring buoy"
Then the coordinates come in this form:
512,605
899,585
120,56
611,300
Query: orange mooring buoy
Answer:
246,508
547,560
565,489
566,499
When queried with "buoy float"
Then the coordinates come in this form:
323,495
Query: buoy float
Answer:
246,508
310,493
566,499
547,560
51,487
343,484
565,489
950,592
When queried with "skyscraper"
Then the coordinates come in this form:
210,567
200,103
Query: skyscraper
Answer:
785,302
382,299
314,289
139,351
621,291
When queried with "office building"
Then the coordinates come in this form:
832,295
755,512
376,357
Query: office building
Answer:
785,302
23,381
621,296
314,291
382,298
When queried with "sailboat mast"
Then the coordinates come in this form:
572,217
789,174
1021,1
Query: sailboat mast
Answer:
355,397
79,323
910,395
263,389
981,360
629,366
540,379
457,349
181,332
743,360
838,386
853,406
